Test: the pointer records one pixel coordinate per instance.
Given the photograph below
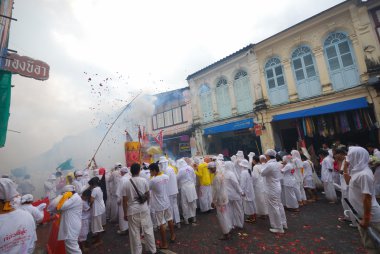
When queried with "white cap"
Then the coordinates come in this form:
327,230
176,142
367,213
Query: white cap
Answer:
220,157
7,189
211,165
244,163
163,159
118,165
240,154
181,163
124,170
52,177
27,198
78,173
251,154
270,152
68,188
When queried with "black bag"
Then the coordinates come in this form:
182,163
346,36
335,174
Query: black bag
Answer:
141,198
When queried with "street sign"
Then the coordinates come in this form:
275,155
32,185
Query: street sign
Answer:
27,67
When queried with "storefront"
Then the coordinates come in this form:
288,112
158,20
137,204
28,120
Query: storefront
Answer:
350,121
178,145
228,138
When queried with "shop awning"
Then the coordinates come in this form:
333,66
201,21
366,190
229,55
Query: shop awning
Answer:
239,125
327,109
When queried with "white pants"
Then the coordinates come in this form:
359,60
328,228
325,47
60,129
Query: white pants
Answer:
249,207
235,209
96,224
223,215
72,247
141,222
123,224
297,192
205,198
290,197
330,191
261,204
85,228
174,208
189,209
276,211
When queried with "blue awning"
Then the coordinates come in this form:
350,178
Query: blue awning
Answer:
239,125
327,109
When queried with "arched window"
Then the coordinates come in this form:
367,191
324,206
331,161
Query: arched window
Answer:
205,101
341,61
278,91
223,98
305,73
242,90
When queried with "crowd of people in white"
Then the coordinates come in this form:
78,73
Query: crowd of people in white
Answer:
151,197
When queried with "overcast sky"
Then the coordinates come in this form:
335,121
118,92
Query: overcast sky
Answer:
150,45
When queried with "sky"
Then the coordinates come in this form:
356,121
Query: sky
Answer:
102,52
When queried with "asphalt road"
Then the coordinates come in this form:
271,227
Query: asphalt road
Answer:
315,229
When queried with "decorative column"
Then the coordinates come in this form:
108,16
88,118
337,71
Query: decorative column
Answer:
359,56
289,80
214,105
195,103
322,70
231,93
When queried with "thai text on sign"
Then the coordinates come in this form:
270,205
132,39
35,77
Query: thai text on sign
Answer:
27,67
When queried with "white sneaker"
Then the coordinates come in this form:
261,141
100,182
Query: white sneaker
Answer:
178,225
119,232
276,230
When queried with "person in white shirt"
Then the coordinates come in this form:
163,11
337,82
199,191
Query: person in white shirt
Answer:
259,187
327,167
246,183
70,221
98,208
361,194
137,212
172,188
36,212
235,194
290,184
14,222
49,186
77,181
160,203
272,173
220,200
86,218
125,176
113,181
308,181
186,181
299,175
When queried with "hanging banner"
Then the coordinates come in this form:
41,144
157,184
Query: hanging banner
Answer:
258,130
27,67
5,101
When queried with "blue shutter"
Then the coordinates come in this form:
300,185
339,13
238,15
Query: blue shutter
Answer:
277,88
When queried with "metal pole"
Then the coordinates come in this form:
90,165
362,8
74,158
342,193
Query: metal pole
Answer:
93,157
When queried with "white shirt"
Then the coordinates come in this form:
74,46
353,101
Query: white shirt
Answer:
308,170
18,232
246,183
71,218
362,183
289,178
185,175
78,185
98,207
172,185
326,174
133,206
145,173
120,186
159,193
86,210
50,189
37,214
272,173
232,185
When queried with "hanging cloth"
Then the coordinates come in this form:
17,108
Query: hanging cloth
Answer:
344,125
304,126
330,125
357,121
309,129
336,123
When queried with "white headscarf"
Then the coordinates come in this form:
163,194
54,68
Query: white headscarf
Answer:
181,163
287,158
7,189
297,158
27,198
230,167
358,158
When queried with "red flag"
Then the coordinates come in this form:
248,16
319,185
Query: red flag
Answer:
159,139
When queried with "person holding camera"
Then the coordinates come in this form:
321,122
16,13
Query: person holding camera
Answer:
135,194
